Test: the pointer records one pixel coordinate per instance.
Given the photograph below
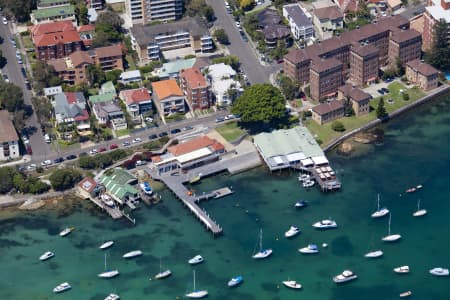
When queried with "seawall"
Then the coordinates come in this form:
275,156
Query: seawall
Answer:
442,90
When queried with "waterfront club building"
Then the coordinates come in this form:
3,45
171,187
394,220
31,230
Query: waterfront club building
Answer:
286,148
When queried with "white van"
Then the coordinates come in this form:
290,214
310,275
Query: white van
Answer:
47,139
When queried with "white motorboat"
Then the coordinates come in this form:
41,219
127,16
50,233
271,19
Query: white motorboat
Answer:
402,270
262,253
310,249
374,254
62,287
112,297
46,255
132,254
66,231
107,200
325,224
292,284
304,177
405,294
106,245
235,281
345,276
380,212
419,212
162,274
108,274
300,204
308,184
439,271
197,294
391,237
196,260
293,231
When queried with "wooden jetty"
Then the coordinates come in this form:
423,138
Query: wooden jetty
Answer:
216,194
114,212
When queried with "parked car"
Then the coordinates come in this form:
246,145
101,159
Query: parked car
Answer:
47,162
140,163
93,151
113,146
31,167
187,128
71,156
126,143
136,140
5,78
162,134
82,154
29,150
380,91
58,160
387,80
149,119
152,137
385,90
5,21
175,131
220,119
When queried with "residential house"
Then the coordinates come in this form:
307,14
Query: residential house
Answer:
109,113
150,42
87,188
328,19
195,88
70,112
87,33
9,139
109,58
130,77
147,11
52,14
268,17
168,97
327,112
95,4
275,34
51,3
435,11
188,154
107,88
394,5
171,69
348,5
120,185
364,64
326,77
299,21
50,92
422,74
357,98
223,82
55,40
72,69
138,101
406,45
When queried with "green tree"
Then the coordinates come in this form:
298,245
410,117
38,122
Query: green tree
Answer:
19,9
113,75
381,110
2,59
439,53
87,162
260,104
108,29
338,126
231,60
64,179
288,87
405,96
36,186
6,179
221,36
195,8
246,4
96,75
280,50
11,96
44,75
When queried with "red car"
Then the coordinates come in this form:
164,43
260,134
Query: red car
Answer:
113,146
102,150
29,150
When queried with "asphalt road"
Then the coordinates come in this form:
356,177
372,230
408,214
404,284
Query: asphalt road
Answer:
12,69
250,64
413,10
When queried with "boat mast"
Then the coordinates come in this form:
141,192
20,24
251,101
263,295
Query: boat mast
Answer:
194,280
260,240
378,202
418,205
389,225
105,261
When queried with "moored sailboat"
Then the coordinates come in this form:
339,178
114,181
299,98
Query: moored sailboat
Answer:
262,253
197,294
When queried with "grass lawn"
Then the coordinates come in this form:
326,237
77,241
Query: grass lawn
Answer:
230,131
131,63
64,146
123,132
325,134
27,43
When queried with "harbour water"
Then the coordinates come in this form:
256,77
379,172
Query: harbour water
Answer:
415,151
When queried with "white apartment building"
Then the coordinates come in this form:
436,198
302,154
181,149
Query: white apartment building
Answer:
146,11
299,21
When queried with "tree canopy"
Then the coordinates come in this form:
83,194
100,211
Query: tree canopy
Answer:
260,104
11,96
108,29
64,179
231,60
19,9
439,54
196,8
221,36
44,75
381,110
288,87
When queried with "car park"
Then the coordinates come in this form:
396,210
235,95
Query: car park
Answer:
152,137
175,131
162,134
58,160
113,146
71,156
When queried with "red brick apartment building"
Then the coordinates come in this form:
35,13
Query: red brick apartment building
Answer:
406,45
55,40
436,10
196,88
364,64
326,77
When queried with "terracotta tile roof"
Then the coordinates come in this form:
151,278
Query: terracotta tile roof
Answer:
65,37
218,146
86,28
192,145
53,27
330,12
8,132
109,51
156,159
421,67
325,108
359,95
88,184
401,36
59,64
194,78
135,96
82,117
166,88
74,97
80,57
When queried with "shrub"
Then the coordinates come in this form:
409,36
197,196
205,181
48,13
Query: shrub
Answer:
337,126
405,96
64,179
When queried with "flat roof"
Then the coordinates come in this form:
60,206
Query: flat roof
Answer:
288,141
194,155
438,12
53,11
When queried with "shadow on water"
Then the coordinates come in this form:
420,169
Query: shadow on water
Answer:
341,246
370,293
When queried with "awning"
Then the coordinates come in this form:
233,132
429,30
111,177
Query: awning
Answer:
297,156
278,160
319,160
307,162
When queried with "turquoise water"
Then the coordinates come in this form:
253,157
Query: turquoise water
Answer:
415,151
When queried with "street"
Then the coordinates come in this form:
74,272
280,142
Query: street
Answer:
12,69
249,62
